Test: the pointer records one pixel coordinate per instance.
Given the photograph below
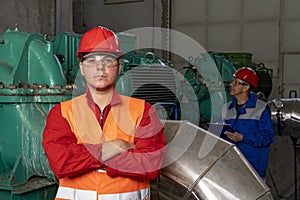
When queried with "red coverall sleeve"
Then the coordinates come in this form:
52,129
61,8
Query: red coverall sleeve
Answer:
65,156
145,161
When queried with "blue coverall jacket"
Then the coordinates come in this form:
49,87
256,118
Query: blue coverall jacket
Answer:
253,120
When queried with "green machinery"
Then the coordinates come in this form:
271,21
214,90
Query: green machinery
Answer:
32,81
146,76
39,71
210,77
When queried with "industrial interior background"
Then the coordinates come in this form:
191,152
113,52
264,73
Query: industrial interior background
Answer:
268,29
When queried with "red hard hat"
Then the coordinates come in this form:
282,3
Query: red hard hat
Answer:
99,39
247,74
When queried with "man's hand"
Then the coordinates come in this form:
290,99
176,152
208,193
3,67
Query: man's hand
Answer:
236,137
113,148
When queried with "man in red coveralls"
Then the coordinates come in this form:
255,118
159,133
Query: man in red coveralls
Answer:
103,145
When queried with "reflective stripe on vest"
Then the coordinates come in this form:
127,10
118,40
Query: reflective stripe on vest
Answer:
120,124
76,194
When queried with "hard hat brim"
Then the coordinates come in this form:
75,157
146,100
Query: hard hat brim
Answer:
117,55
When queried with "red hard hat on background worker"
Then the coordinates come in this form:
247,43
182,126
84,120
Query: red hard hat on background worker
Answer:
99,39
247,74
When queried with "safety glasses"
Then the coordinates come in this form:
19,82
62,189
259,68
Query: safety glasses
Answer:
235,82
94,61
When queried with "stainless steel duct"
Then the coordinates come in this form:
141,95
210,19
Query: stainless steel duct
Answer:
199,165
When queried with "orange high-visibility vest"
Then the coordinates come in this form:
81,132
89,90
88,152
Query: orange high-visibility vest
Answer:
120,123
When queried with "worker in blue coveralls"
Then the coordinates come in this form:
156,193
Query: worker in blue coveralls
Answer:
250,120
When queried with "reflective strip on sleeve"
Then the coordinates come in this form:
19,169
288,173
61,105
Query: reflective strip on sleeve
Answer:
137,195
76,194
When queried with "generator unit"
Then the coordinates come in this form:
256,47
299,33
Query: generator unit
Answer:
210,76
32,81
146,76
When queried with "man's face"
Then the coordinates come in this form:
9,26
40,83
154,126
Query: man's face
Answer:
100,70
238,86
